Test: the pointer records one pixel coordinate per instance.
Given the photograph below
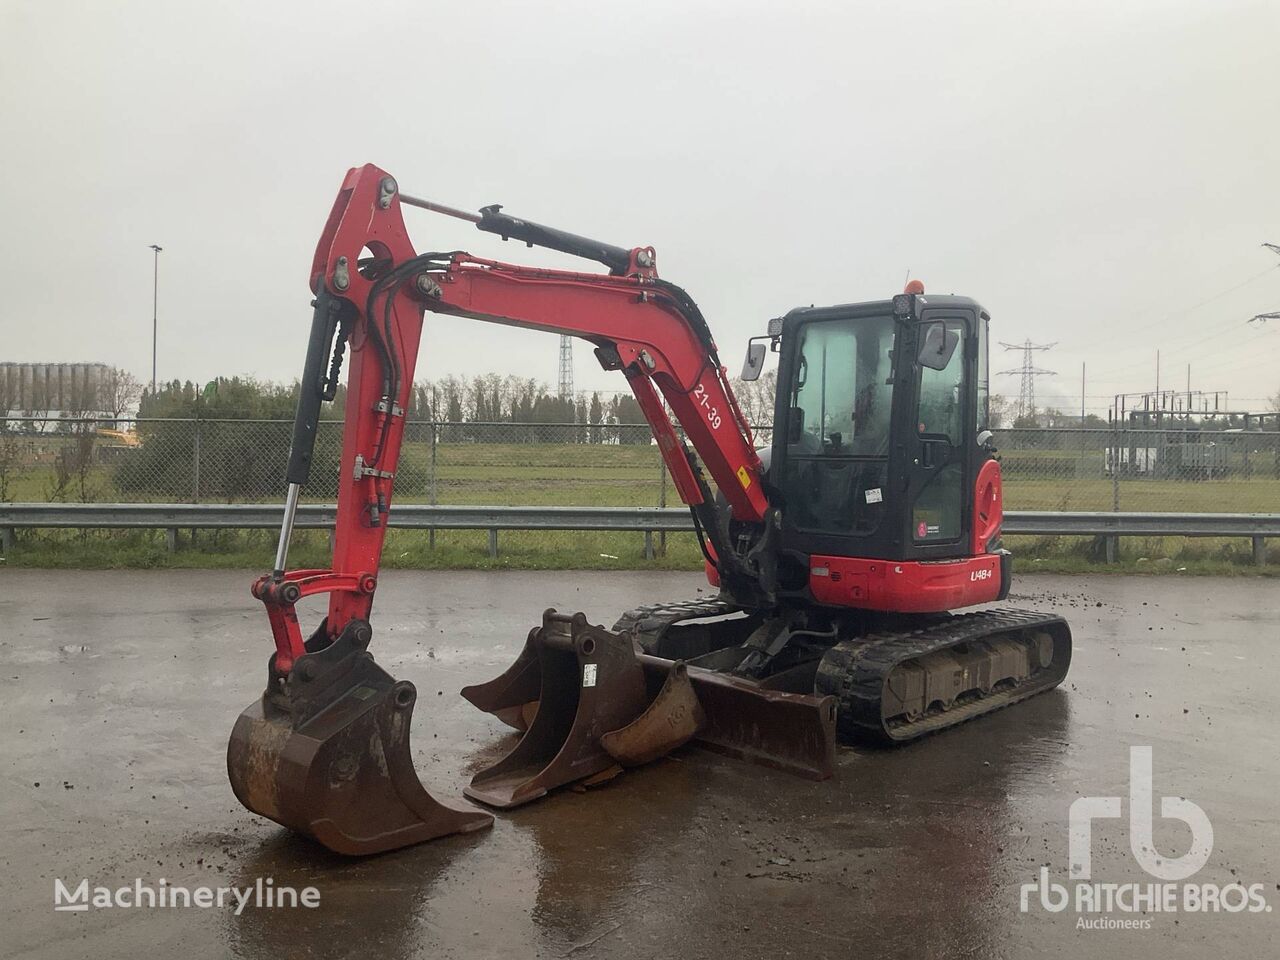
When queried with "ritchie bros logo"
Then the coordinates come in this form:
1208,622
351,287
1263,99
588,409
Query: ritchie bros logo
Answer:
1083,895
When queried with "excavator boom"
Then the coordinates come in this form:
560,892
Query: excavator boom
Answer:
650,330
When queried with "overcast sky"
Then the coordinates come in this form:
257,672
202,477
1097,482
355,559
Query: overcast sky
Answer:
1100,174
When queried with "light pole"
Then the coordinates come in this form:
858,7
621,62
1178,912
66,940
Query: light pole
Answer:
155,296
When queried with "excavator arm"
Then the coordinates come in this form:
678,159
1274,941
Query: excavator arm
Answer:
372,291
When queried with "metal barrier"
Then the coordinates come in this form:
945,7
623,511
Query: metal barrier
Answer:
647,520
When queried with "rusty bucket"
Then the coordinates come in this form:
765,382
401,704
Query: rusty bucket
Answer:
589,685
512,696
672,720
325,752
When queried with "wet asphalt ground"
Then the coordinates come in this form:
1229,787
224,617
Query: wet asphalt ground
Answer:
118,691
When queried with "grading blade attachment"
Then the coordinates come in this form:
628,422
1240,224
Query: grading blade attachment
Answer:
325,752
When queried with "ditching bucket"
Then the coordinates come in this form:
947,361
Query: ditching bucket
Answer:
325,752
589,687
512,696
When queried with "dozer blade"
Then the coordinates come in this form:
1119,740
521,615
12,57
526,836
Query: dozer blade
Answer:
590,683
325,752
791,732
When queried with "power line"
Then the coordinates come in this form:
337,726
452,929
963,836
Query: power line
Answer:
1208,300
1274,314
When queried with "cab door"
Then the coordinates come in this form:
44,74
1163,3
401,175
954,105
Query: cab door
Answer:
940,435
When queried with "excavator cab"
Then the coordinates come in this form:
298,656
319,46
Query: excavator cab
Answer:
882,409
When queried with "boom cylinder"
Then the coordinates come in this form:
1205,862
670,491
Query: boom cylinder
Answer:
491,219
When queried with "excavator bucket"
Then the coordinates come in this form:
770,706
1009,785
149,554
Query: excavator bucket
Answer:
512,696
589,685
325,752
579,730
671,721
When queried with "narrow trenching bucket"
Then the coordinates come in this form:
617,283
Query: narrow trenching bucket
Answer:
589,686
512,696
325,752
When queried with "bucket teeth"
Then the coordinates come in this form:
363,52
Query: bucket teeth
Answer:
325,752
589,683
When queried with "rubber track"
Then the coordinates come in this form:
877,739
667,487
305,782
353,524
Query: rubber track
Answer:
855,671
647,624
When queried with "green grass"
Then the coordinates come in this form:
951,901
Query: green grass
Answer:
404,549
1140,496
1217,556
548,474
569,550
475,473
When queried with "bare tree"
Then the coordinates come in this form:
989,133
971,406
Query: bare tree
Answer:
73,467
1001,411
39,406
755,397
118,392
10,439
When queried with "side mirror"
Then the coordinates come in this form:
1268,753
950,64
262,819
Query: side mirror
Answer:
754,364
937,344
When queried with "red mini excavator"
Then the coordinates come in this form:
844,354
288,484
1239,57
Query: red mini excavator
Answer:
838,551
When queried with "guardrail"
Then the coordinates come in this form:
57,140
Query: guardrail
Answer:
647,520
171,517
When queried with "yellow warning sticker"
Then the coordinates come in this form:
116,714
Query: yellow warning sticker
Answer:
744,478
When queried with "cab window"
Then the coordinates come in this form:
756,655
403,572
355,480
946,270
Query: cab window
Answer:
843,395
941,408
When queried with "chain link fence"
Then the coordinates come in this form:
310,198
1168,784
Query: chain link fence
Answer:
243,461
1182,471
